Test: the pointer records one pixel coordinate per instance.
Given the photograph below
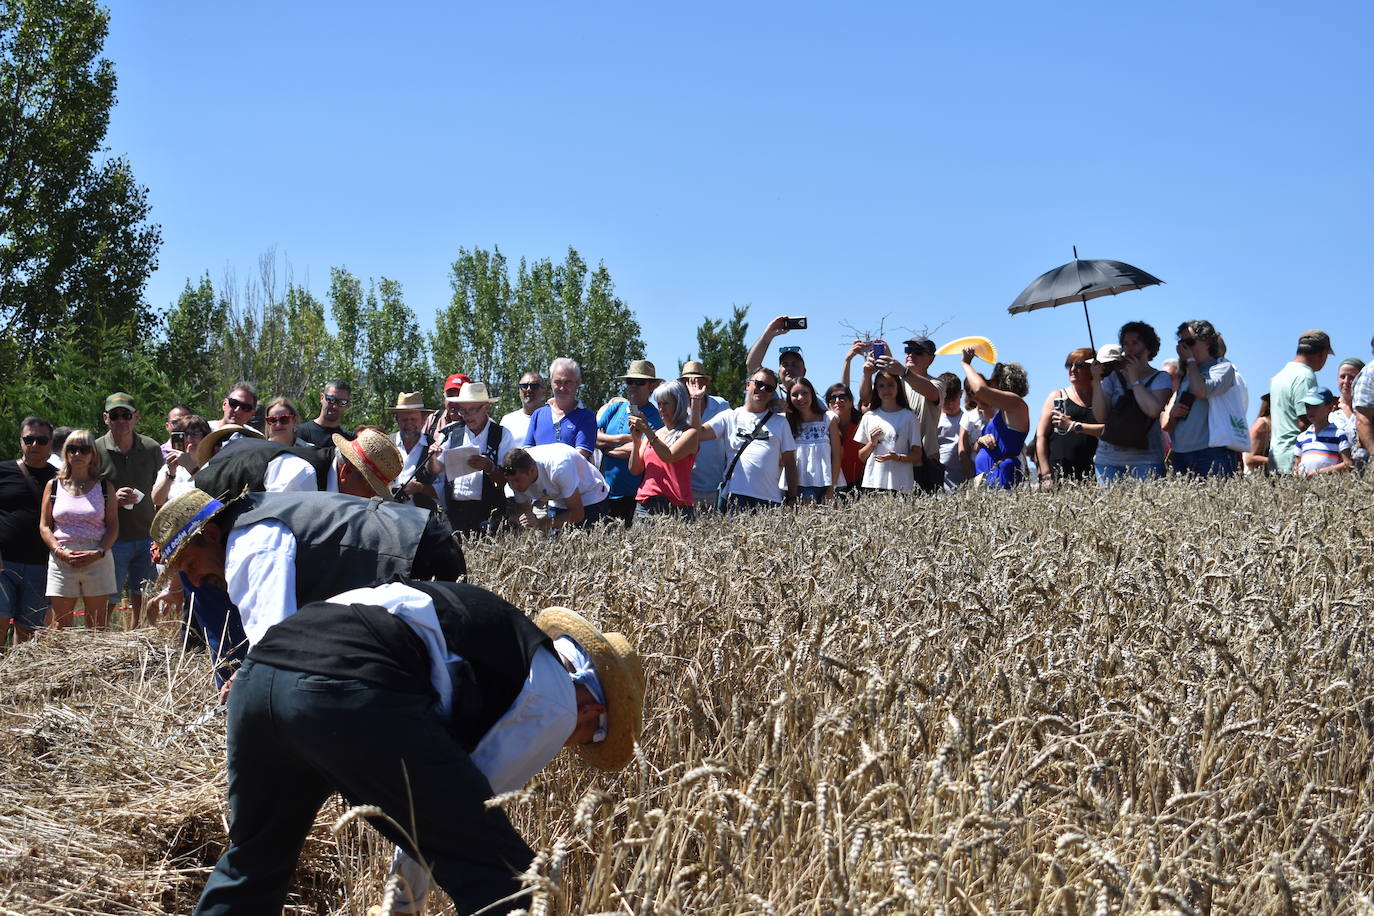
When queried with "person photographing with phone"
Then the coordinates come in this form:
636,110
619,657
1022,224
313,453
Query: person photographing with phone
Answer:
1206,376
924,393
791,363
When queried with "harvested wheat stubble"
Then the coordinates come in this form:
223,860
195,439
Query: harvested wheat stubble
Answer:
1156,698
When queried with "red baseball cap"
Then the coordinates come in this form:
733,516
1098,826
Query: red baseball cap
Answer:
456,381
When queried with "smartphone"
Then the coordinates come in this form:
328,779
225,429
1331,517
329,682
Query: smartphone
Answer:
1059,404
795,324
879,349
179,441
635,411
1186,398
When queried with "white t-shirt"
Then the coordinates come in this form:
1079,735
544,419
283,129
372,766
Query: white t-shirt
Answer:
469,486
563,471
757,471
949,449
813,455
900,429
518,422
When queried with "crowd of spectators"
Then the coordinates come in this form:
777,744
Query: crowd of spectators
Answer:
76,507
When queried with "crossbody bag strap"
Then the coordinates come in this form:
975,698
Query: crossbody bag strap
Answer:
740,451
33,484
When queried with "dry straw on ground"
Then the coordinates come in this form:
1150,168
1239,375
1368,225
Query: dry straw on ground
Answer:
1150,699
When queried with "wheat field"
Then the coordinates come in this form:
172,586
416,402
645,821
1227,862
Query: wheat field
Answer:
1156,698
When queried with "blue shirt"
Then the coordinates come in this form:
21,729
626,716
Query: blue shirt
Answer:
577,429
1193,433
616,422
709,467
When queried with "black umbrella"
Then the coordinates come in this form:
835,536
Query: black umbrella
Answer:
1079,281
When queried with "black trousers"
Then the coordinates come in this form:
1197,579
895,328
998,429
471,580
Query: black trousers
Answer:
295,738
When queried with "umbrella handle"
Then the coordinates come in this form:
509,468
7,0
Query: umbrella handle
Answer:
1089,320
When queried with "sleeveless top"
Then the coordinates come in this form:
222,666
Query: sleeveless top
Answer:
663,479
1071,454
1001,463
78,518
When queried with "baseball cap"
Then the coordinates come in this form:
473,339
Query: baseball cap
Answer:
1318,396
1314,341
921,343
456,380
119,399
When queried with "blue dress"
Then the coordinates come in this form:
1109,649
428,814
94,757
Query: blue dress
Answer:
1001,464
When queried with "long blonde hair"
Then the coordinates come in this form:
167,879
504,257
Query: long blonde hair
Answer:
81,437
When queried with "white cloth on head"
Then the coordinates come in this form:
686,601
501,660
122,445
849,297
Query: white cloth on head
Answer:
584,673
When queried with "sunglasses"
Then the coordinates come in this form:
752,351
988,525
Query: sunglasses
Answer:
531,386
1187,341
236,404
838,397
763,386
1080,364
35,440
335,399
77,450
121,415
280,421
636,382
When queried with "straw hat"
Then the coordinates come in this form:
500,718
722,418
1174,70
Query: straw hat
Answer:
641,368
375,457
621,674
473,393
180,520
409,400
693,369
206,450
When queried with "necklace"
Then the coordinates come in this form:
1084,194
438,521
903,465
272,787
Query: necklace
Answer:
80,487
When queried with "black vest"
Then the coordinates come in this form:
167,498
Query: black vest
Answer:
342,542
242,464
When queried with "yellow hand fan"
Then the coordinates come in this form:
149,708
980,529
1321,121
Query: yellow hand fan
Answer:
982,348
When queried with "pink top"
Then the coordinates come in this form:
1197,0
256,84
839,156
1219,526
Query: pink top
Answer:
662,479
78,518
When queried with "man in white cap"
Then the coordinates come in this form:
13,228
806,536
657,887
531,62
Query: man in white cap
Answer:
476,497
613,437
422,699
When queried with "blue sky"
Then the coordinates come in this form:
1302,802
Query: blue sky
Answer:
918,161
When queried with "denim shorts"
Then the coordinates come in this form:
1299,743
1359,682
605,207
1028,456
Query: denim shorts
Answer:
133,565
24,594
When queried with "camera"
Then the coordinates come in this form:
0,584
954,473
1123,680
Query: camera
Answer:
179,441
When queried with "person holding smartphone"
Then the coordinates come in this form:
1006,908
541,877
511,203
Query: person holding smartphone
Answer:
1206,375
175,476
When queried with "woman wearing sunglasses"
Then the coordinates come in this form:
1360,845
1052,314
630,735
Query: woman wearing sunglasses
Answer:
1064,439
840,399
282,421
79,522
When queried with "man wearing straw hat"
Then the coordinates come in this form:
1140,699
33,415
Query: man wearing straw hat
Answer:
265,554
414,482
474,489
613,437
421,699
364,466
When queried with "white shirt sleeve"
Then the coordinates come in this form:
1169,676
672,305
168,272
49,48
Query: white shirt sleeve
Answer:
289,474
260,572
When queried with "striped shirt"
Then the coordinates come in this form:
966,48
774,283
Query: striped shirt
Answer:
1321,448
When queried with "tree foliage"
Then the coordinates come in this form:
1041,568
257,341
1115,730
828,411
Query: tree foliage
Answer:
494,329
75,244
721,347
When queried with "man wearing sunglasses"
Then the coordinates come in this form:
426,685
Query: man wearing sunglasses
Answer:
239,406
320,431
758,441
533,391
24,569
131,463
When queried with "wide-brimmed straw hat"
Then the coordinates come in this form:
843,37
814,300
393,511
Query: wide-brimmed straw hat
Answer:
473,393
375,456
621,673
693,369
640,368
409,400
180,520
206,450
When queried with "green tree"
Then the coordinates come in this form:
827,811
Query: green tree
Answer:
394,357
482,330
721,347
194,338
75,243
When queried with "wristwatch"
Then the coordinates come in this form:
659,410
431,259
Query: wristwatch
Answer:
1076,427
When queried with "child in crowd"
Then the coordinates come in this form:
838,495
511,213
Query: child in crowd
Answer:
1322,448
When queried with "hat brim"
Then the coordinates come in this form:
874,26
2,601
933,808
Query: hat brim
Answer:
347,449
621,673
206,450
646,378
403,409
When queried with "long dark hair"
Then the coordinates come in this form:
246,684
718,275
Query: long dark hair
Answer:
875,402
839,388
794,417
